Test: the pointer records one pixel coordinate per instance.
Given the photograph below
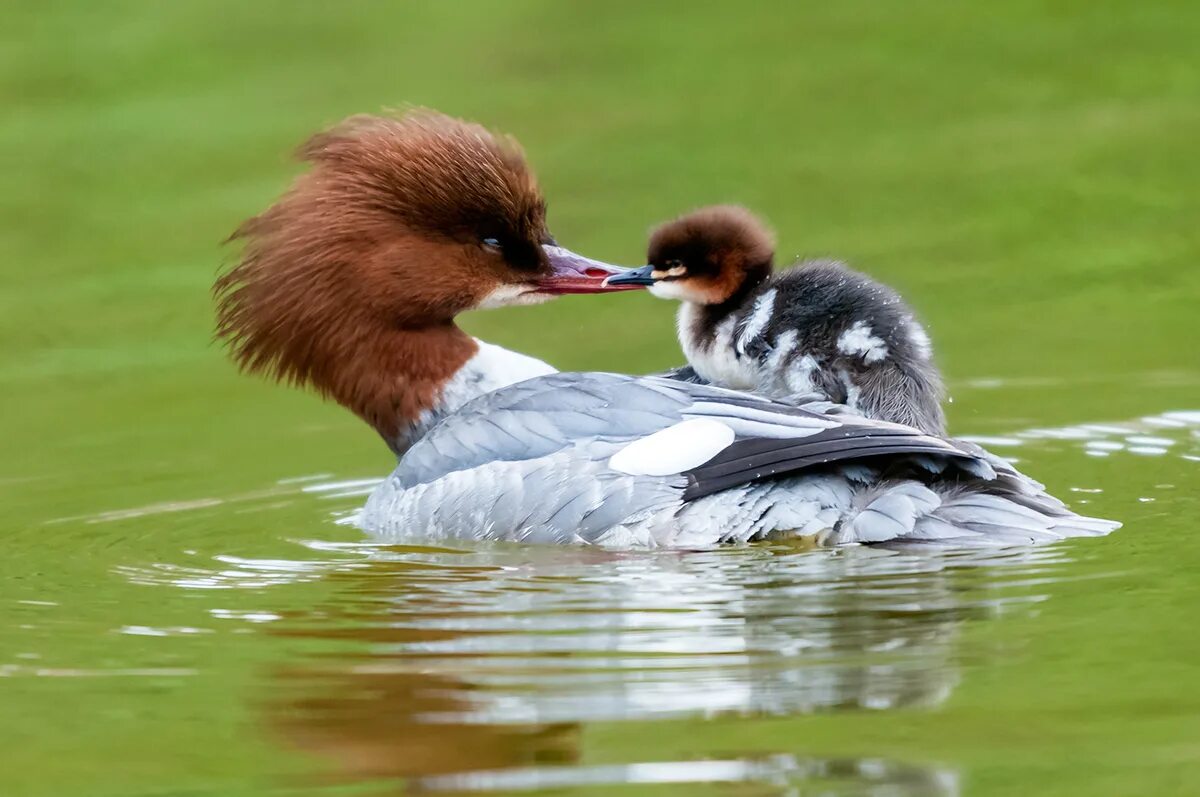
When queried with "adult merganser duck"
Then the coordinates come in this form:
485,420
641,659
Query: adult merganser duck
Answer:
351,282
817,328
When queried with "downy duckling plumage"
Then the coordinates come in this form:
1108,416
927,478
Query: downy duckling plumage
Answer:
816,328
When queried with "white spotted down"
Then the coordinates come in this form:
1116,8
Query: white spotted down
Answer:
853,391
799,376
715,358
764,306
675,449
859,340
920,339
772,376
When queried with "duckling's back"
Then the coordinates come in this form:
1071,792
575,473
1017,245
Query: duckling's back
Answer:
823,328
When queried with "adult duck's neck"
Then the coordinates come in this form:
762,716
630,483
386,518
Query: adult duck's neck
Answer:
402,381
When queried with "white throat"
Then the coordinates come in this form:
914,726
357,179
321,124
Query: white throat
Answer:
490,369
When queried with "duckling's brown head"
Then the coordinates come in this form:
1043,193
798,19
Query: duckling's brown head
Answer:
707,256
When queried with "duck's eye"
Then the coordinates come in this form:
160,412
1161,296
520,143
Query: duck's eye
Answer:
492,243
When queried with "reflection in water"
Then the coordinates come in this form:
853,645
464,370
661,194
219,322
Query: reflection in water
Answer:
450,670
871,777
368,724
479,667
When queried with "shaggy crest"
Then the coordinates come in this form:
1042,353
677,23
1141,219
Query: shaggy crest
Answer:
354,275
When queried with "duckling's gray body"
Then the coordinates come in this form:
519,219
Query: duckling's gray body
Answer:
820,328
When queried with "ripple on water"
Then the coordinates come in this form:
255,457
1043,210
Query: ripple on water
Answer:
492,658
560,638
572,635
862,775
1152,435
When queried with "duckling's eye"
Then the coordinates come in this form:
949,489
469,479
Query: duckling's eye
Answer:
492,243
669,270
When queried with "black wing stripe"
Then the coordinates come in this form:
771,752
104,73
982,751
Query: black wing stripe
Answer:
792,456
844,436
754,452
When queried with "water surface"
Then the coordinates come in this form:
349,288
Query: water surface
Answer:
181,612
255,641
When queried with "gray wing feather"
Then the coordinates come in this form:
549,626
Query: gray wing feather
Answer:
530,462
684,373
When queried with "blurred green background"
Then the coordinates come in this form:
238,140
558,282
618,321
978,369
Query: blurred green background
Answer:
1025,173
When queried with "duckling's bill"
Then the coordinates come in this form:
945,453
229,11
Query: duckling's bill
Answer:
632,278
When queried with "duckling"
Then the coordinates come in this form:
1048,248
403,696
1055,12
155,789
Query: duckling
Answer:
817,328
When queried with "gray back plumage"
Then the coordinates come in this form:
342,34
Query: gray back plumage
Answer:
535,462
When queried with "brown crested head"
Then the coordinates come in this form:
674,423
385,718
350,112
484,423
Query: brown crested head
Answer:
408,220
350,282
709,255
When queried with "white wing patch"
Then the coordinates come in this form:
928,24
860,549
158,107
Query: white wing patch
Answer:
859,339
675,449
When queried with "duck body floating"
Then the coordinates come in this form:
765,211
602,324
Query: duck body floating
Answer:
350,284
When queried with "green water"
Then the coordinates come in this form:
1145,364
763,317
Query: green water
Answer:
181,614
